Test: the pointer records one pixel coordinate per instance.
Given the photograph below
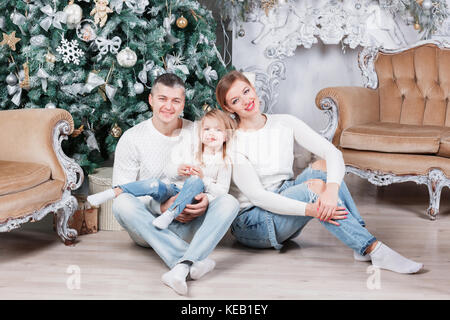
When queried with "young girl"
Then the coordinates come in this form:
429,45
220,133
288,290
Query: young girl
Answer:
209,171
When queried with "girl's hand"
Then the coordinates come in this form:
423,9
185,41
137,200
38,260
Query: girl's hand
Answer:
339,214
327,202
184,170
197,171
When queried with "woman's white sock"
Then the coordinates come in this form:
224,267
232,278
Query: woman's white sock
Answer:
101,197
386,258
176,278
202,267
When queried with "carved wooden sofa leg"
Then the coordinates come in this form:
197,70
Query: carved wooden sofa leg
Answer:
436,181
63,215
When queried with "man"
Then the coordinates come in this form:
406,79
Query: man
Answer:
141,154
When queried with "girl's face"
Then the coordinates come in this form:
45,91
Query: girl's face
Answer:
213,133
242,99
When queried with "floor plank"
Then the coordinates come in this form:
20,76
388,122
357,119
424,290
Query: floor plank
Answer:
36,265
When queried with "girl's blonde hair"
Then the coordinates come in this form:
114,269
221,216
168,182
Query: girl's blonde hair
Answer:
226,122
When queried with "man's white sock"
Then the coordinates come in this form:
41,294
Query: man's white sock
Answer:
101,197
202,267
176,278
386,258
359,257
163,221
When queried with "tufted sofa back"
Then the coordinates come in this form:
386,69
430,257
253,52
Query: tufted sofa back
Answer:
414,86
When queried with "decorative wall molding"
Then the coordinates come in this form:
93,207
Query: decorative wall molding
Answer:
267,82
370,24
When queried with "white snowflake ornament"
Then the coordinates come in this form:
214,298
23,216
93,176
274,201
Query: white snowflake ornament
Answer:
70,51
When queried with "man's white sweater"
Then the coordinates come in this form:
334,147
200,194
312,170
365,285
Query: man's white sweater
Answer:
142,153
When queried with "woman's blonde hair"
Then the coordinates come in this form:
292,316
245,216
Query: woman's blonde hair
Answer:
225,84
226,122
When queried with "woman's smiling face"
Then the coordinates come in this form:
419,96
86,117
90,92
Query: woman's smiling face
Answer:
242,99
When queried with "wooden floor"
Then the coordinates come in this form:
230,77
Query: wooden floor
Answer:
34,264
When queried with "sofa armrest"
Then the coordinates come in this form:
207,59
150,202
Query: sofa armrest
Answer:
354,105
35,135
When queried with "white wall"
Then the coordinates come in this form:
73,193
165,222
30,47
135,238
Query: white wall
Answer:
310,70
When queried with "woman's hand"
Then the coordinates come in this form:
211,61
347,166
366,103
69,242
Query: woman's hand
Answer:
327,202
338,214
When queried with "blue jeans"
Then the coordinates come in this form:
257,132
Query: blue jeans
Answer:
161,192
171,244
259,228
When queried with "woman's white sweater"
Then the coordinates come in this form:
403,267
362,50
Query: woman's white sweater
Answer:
263,160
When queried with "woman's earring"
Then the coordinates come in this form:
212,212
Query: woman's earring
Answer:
232,116
181,114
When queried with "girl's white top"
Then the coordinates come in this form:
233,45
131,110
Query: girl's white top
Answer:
216,170
263,160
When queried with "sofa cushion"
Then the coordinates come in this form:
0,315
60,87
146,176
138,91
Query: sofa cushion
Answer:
397,163
444,146
392,137
20,204
19,176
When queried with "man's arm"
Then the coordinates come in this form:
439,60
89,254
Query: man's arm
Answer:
126,167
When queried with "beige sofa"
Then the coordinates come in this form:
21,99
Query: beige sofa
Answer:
396,128
36,177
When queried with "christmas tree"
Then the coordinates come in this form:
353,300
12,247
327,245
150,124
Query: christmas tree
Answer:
97,59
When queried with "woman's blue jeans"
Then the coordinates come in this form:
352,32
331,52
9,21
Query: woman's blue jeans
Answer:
259,228
161,191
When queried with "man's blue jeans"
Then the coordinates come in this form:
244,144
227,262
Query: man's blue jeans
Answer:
259,228
161,191
171,244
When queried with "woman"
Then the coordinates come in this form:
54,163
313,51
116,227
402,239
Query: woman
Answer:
274,207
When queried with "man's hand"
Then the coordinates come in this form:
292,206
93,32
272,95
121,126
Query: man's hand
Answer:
193,211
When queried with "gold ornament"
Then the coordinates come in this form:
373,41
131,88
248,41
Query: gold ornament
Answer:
268,5
207,107
182,22
417,26
419,2
78,131
10,40
100,12
116,131
26,81
49,57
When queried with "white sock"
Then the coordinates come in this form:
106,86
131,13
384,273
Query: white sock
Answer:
163,221
386,258
359,257
202,267
101,197
176,278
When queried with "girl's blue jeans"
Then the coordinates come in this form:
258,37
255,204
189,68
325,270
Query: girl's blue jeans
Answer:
259,228
161,191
